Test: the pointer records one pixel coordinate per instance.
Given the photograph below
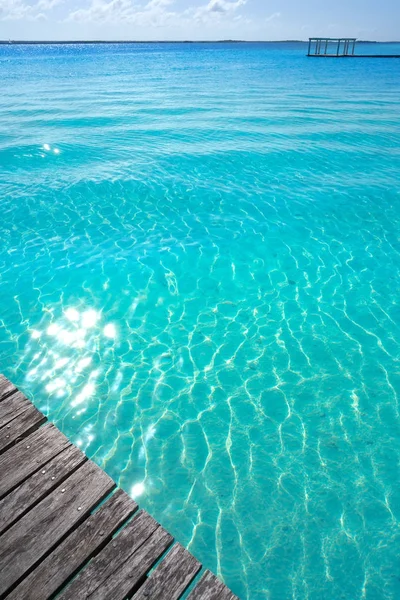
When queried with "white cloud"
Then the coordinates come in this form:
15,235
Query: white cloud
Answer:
158,3
275,15
48,4
100,11
154,13
216,10
223,6
119,19
14,10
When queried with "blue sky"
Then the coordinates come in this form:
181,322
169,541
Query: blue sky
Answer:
198,19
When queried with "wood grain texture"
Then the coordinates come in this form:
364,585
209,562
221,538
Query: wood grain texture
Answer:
29,455
211,588
25,543
124,579
20,427
40,484
6,387
55,535
129,539
76,549
13,406
171,577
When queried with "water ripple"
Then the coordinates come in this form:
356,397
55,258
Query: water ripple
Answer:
200,267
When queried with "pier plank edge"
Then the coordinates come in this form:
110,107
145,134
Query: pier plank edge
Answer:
66,529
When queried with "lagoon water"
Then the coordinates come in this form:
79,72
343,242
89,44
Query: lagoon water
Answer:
200,285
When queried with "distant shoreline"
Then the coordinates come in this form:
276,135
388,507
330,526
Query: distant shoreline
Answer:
70,42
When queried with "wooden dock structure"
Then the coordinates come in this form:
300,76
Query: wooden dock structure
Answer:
326,47
321,46
67,531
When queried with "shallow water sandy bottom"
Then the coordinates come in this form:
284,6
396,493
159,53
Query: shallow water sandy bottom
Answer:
199,282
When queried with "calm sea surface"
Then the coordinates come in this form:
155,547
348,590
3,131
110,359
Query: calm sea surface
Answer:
200,285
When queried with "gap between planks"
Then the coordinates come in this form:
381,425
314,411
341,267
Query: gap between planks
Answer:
61,532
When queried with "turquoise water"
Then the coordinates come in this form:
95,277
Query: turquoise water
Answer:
199,283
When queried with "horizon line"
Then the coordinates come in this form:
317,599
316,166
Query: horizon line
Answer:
228,41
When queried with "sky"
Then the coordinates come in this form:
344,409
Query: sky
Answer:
198,19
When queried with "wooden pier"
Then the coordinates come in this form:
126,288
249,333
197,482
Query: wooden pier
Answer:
67,531
325,47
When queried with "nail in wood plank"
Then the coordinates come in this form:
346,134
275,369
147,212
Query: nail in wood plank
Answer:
51,574
211,588
20,427
129,539
22,546
40,484
29,455
171,577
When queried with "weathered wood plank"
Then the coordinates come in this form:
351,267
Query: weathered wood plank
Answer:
47,535
29,455
6,387
20,427
211,588
121,583
76,549
129,539
171,577
30,538
40,484
13,406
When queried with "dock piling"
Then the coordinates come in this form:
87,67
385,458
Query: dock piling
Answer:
339,48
